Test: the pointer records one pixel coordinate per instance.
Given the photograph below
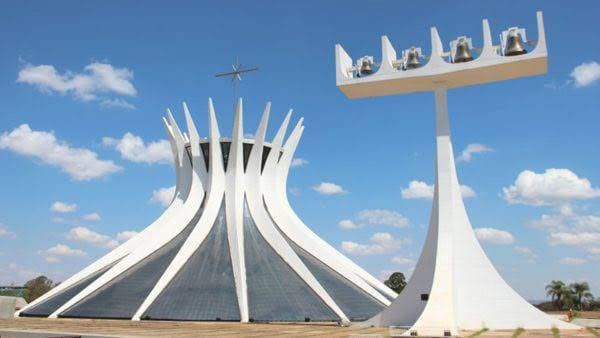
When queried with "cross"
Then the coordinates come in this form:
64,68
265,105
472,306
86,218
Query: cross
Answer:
236,76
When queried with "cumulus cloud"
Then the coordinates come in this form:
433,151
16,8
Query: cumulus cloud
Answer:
568,227
572,261
124,236
567,220
97,81
134,149
79,163
298,162
327,188
467,191
347,224
383,217
163,196
62,207
494,236
379,243
586,74
417,189
574,238
526,252
93,217
55,253
5,232
82,234
375,217
474,148
85,235
422,190
554,186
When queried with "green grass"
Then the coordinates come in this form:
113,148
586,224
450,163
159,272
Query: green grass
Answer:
478,332
594,332
555,332
518,332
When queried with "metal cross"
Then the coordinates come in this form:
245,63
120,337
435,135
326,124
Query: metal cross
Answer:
236,76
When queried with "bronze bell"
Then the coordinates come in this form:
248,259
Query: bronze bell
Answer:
412,60
365,67
514,44
463,53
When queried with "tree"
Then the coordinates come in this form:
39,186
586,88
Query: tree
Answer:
396,282
554,290
567,298
580,292
37,287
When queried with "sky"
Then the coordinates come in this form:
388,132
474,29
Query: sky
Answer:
84,161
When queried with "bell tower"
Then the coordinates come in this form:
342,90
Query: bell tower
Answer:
454,286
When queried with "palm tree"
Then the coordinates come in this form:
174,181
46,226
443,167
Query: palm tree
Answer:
580,291
567,298
554,290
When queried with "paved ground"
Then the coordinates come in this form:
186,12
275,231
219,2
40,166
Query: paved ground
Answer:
92,328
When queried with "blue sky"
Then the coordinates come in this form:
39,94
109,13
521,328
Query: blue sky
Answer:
77,77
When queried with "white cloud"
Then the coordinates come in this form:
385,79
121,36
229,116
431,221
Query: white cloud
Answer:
54,254
474,148
63,207
570,228
347,224
5,232
163,196
574,239
586,74
64,250
403,260
554,186
133,148
594,250
16,274
375,217
494,236
467,191
327,188
124,236
420,189
116,103
97,81
567,220
79,163
417,189
85,235
379,243
572,261
298,162
93,217
527,253
383,217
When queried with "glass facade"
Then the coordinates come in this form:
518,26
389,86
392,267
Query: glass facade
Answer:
275,291
47,307
356,304
204,288
121,297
